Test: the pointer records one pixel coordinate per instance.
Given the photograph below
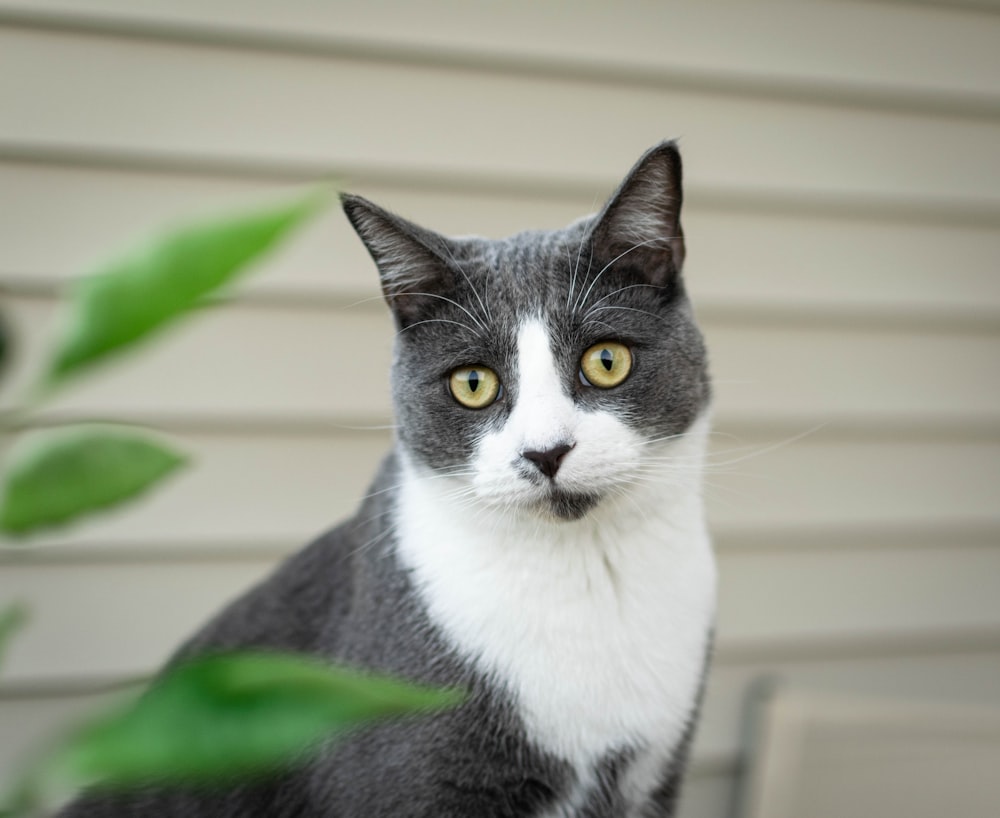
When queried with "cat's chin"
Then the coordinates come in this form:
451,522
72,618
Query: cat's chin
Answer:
568,506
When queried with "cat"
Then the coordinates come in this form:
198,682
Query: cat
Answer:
536,535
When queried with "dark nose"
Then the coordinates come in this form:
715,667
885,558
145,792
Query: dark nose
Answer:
548,462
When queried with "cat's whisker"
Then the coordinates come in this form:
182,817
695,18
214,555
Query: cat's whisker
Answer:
475,332
710,461
722,494
451,301
487,318
585,233
626,309
583,299
490,275
676,436
366,428
628,496
464,491
456,471
601,323
389,530
623,289
576,270
366,300
772,446
572,276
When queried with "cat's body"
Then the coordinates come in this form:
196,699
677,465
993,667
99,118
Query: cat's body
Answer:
546,549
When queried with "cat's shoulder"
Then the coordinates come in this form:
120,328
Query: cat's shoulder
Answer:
287,609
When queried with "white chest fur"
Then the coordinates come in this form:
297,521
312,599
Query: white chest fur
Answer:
597,627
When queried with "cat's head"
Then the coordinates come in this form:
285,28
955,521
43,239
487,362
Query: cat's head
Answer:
544,370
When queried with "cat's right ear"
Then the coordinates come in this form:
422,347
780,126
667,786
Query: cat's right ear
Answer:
412,262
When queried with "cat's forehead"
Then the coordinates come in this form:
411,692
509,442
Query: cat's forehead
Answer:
526,248
528,269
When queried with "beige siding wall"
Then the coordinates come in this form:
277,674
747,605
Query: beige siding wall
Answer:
843,176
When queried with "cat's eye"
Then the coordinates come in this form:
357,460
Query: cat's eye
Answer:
475,387
606,364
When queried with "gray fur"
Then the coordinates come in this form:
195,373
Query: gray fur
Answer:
345,597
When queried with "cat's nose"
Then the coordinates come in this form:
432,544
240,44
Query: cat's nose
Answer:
548,461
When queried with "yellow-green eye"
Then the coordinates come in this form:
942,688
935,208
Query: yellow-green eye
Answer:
474,386
606,364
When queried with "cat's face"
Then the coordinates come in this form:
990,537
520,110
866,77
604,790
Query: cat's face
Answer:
543,370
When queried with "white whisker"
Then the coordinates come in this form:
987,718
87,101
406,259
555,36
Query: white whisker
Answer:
475,332
487,318
452,301
583,299
626,309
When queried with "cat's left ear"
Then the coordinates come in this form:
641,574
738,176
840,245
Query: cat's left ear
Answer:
412,261
641,223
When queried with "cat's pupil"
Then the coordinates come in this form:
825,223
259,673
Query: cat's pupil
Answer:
473,380
607,359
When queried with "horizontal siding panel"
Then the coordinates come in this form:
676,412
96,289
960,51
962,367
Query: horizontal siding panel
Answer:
237,362
30,723
114,620
774,372
850,491
905,50
858,264
240,362
751,259
812,595
325,256
95,92
117,619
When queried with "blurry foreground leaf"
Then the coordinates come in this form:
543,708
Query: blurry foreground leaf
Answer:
136,295
223,717
11,621
55,476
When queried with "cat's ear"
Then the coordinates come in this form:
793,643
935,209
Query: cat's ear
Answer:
412,261
642,220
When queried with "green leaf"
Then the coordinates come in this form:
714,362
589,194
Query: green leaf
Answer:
58,475
236,714
12,620
143,292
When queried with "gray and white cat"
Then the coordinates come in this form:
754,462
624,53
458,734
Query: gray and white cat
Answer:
536,535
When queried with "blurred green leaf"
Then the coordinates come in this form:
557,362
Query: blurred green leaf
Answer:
143,292
57,475
236,714
12,619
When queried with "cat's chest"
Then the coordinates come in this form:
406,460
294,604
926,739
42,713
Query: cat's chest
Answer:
599,634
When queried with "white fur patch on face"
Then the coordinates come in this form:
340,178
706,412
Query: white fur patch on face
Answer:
597,627
604,450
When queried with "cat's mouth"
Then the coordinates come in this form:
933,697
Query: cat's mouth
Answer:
567,505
